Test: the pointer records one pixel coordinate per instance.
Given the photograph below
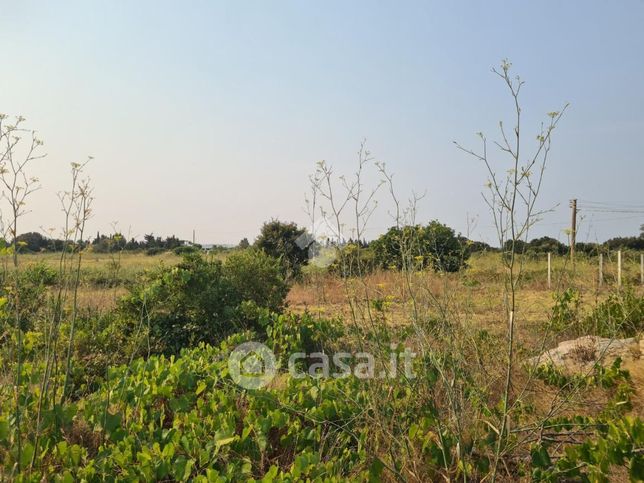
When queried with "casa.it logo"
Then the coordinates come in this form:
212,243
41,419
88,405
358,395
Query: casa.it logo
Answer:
252,365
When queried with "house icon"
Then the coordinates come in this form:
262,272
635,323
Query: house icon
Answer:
252,365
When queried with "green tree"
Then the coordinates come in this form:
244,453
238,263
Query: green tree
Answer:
31,242
445,251
243,244
284,242
547,244
399,247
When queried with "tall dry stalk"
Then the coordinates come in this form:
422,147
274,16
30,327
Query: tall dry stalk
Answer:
82,211
75,205
17,186
512,201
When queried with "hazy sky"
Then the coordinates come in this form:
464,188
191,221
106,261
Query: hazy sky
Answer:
211,115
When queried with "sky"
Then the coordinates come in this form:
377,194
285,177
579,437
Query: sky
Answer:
210,116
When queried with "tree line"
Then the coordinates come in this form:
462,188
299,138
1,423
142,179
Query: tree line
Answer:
434,244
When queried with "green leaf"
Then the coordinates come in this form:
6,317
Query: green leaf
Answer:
222,442
4,429
201,388
27,454
271,474
375,470
636,470
75,453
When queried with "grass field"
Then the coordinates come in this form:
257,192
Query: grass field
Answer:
480,281
457,321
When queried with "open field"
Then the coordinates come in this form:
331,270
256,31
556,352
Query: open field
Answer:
454,323
325,293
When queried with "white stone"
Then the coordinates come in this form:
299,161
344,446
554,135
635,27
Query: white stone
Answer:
582,354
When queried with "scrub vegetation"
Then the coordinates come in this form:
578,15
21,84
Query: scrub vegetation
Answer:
114,353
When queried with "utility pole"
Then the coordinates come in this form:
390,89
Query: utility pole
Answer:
573,229
193,236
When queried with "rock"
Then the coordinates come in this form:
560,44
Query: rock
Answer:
580,355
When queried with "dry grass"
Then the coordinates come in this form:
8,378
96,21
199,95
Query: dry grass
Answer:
477,292
128,261
474,298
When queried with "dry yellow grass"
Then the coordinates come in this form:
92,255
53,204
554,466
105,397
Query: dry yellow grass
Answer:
128,261
477,291
475,297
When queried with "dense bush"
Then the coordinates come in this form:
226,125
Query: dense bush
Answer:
32,242
183,419
199,300
547,244
186,249
620,315
257,277
353,260
287,333
193,424
398,248
103,340
435,245
108,244
520,246
473,246
629,242
28,289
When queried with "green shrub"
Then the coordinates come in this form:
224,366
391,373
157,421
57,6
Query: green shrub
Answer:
102,341
564,317
186,249
29,287
616,443
417,247
183,419
257,277
184,305
290,333
621,315
353,260
202,300
39,274
446,253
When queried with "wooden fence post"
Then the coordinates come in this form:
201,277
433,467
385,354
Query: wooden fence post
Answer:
549,270
619,268
601,269
641,268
